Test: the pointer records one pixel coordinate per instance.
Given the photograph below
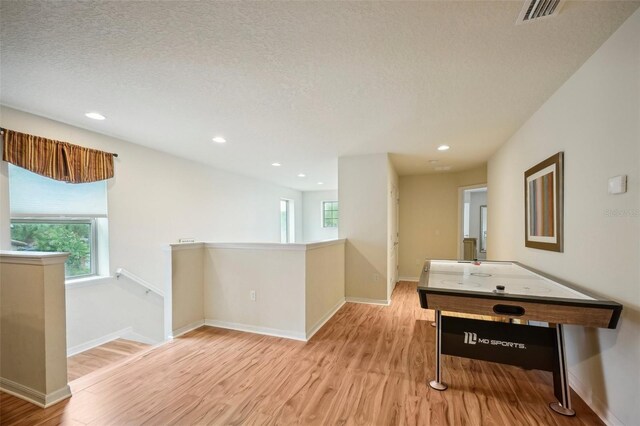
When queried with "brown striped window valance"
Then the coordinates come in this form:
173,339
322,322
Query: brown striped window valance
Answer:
57,160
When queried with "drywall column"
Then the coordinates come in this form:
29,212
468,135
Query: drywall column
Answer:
33,342
362,194
185,295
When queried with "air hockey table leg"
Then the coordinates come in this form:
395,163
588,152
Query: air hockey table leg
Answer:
560,378
437,384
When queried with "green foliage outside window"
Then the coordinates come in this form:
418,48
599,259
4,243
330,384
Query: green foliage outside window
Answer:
74,238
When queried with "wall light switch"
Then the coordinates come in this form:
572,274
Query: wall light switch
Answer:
618,184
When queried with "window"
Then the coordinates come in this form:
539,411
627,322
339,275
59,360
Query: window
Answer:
329,214
74,236
286,221
48,215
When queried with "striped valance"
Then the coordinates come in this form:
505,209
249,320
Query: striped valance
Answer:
57,160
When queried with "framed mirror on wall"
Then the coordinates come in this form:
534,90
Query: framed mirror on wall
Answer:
483,229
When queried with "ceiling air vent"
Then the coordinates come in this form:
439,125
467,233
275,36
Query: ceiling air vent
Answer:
538,9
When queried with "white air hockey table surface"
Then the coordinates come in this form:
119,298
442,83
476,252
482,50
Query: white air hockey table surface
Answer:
486,276
513,291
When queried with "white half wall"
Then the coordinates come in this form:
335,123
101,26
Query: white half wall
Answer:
324,284
275,275
595,119
296,287
312,216
187,286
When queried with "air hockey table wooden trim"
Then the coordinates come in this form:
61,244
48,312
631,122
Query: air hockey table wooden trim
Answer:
548,347
585,312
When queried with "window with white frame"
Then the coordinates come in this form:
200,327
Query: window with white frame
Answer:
287,223
329,214
48,215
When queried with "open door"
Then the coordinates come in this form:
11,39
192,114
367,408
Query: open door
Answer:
472,233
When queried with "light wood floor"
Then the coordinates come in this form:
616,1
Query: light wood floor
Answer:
369,365
101,356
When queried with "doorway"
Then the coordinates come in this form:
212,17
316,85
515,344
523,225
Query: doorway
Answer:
472,233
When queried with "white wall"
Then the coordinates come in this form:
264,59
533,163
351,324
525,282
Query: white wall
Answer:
111,308
393,191
595,119
312,216
155,199
362,193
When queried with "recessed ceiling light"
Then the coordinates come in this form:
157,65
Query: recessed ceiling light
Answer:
301,175
95,116
276,164
219,139
443,147
320,183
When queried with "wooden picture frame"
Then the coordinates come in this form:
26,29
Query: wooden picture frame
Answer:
544,204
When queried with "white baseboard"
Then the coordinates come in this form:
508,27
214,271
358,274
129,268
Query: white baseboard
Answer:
366,301
125,333
412,279
326,317
137,337
74,350
33,396
287,334
187,328
601,409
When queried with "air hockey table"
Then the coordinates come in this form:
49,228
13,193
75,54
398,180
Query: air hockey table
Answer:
504,292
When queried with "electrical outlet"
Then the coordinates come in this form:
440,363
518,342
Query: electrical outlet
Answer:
252,295
376,277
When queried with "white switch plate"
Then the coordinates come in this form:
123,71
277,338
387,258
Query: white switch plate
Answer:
618,184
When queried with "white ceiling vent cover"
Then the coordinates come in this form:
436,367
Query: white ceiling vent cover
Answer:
538,9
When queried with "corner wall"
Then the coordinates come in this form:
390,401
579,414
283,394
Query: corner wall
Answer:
595,119
362,194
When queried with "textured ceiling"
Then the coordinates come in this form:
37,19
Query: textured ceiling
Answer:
301,83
